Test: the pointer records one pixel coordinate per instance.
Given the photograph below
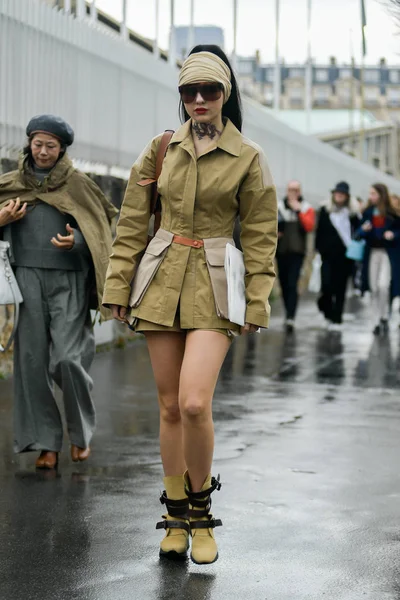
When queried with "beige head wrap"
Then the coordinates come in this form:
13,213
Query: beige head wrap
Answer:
206,66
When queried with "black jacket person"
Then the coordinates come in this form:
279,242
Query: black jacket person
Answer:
296,218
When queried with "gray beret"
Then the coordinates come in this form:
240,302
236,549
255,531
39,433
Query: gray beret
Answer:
52,125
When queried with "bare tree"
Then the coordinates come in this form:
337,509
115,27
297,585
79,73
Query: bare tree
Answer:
393,6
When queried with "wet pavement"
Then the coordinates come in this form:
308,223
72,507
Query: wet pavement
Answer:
307,444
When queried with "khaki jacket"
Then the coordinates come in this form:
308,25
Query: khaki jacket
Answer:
200,198
73,193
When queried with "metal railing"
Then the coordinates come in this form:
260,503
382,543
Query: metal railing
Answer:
115,94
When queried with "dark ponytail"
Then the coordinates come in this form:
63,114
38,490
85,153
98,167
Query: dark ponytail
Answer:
231,109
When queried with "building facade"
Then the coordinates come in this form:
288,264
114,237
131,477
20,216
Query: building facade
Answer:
333,86
377,146
356,133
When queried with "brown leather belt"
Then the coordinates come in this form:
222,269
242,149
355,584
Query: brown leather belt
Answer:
183,241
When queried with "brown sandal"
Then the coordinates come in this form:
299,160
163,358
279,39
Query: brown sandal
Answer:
47,460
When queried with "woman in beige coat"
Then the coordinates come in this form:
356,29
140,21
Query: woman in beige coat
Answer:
211,174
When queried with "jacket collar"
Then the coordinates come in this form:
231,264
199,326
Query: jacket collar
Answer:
230,140
181,133
57,177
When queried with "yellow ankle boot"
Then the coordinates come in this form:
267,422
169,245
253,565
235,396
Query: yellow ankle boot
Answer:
176,522
202,523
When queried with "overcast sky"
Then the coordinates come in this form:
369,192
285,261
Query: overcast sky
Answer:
332,21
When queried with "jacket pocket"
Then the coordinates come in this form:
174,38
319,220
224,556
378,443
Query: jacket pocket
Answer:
215,258
147,269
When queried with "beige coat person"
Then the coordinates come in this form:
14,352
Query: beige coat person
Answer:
200,197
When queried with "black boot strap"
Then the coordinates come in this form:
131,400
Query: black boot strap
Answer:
176,508
204,504
194,497
173,525
197,513
210,524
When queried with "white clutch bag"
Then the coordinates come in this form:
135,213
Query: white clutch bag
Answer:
9,290
235,276
314,285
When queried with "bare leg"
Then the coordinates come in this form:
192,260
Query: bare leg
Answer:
166,354
205,352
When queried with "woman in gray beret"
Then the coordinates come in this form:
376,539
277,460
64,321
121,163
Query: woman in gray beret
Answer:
57,221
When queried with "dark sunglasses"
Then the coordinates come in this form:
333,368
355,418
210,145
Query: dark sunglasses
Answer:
208,91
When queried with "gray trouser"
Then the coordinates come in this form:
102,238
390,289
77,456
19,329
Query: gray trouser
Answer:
380,274
54,343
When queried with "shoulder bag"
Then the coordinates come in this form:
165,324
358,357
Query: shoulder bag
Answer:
356,250
10,293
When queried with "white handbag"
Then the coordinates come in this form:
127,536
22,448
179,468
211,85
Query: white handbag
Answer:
314,285
9,290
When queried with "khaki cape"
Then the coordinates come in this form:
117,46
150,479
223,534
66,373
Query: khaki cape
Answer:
201,197
73,193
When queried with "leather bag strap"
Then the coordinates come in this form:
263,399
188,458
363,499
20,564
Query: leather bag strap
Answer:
162,151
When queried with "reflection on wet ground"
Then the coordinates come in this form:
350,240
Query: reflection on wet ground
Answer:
307,432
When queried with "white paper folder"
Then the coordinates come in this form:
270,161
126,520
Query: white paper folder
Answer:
235,275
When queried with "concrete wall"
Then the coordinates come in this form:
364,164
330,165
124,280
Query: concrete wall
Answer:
114,93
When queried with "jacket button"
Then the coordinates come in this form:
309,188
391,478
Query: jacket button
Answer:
195,244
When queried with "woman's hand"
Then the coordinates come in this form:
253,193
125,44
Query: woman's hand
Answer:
249,328
367,226
388,235
64,242
12,212
119,312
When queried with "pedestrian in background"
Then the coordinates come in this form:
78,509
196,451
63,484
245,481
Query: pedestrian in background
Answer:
296,218
395,203
211,173
57,222
338,220
395,306
357,268
380,228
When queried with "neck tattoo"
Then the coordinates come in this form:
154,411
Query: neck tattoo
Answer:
203,130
